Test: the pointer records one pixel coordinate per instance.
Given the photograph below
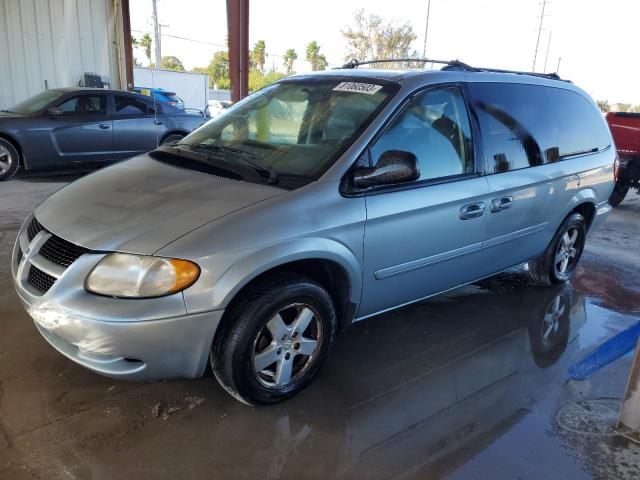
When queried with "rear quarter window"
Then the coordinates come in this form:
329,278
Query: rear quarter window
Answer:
528,125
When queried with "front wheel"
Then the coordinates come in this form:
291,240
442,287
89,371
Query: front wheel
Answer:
618,194
274,340
559,261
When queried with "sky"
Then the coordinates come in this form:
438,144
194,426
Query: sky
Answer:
594,42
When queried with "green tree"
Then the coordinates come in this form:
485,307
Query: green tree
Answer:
258,80
290,56
172,63
218,70
145,43
604,105
635,109
623,107
317,60
258,55
371,37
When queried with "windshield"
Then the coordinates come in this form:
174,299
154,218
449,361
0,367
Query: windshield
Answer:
295,128
37,102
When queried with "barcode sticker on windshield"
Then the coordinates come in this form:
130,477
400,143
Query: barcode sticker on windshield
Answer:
368,88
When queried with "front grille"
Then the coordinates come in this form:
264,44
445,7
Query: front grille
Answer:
40,280
19,256
61,252
33,229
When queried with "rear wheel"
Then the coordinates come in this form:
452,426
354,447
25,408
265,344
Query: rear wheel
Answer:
275,340
618,194
559,261
9,160
174,137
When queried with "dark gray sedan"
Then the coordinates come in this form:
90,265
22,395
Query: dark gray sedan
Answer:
69,128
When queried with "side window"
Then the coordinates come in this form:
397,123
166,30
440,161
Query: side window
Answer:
126,105
579,126
85,105
435,128
517,128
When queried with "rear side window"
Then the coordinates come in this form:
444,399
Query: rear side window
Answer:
528,125
515,125
126,105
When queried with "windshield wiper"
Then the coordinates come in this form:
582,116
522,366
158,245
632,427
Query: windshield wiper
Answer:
267,172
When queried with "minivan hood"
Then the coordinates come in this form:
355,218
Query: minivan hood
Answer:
141,205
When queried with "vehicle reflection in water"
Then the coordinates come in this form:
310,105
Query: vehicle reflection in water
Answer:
425,387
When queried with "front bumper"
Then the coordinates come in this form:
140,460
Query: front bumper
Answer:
133,339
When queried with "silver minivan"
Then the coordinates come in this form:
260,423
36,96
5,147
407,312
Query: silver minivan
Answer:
318,201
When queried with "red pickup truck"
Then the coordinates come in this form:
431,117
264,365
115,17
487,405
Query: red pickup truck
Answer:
625,128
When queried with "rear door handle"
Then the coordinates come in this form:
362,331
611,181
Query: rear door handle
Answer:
157,122
500,204
103,126
473,210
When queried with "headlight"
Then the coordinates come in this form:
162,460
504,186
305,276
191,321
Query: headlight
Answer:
135,276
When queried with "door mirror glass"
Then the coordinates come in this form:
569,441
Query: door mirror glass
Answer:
394,166
55,112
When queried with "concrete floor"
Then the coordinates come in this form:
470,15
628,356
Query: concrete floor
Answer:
462,386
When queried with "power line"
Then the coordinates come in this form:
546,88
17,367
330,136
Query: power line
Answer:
535,53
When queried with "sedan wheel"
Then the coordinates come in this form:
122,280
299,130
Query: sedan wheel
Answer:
9,160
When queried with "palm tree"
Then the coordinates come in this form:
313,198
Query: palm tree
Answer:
145,42
290,56
258,55
317,60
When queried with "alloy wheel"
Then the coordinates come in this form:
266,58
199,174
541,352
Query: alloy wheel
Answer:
6,160
286,347
567,252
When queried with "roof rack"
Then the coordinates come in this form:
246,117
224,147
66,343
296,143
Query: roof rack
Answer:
450,65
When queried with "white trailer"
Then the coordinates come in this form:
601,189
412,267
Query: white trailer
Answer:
192,88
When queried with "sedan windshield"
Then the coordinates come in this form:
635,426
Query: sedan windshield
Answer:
295,128
37,102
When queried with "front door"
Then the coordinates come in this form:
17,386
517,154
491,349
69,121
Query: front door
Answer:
82,130
427,236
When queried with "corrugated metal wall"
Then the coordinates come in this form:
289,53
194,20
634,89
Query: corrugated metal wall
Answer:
56,41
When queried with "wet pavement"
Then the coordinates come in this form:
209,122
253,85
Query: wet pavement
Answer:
472,384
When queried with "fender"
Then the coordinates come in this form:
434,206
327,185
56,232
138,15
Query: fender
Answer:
581,196
248,268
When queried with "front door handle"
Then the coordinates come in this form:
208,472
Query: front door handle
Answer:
473,210
157,122
500,204
103,126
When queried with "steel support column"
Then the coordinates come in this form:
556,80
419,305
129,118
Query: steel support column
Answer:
238,29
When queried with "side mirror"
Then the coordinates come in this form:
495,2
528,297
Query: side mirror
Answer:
394,166
55,112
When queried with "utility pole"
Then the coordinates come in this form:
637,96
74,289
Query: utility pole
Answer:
156,34
535,53
546,57
426,31
558,67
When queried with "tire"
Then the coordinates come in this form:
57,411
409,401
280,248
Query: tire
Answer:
9,160
618,194
172,137
242,350
545,271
